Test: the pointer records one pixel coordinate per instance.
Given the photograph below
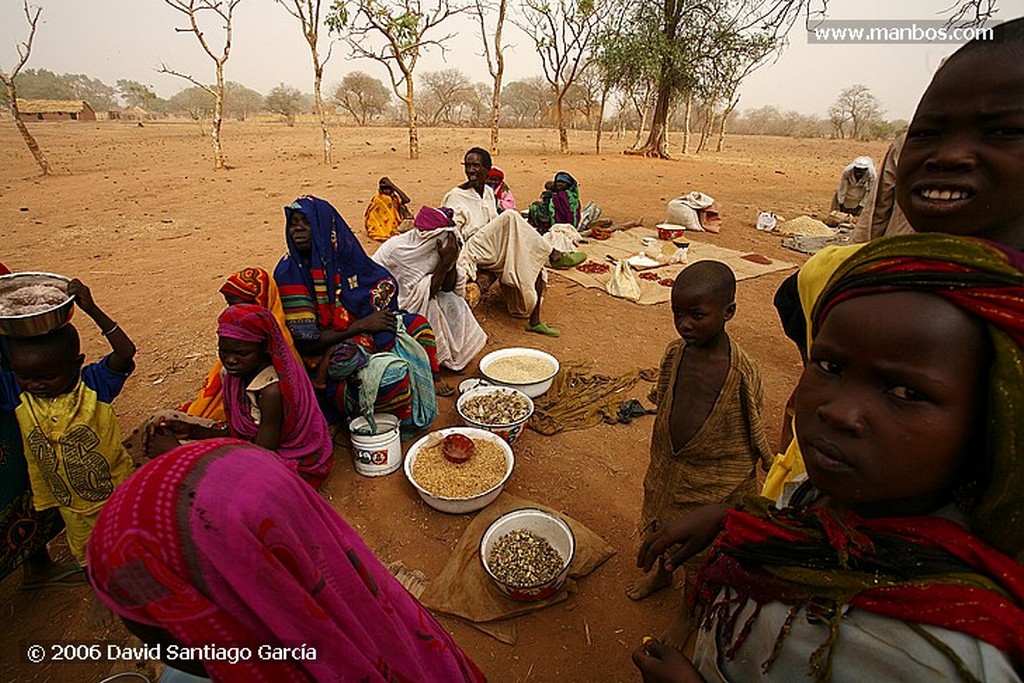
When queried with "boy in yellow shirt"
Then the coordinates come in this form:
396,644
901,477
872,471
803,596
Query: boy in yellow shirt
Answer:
71,436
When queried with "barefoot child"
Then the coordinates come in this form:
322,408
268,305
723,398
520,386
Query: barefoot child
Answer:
898,558
268,397
707,434
71,438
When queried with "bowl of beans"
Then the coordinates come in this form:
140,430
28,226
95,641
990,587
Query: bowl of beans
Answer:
527,553
32,304
531,371
457,482
500,410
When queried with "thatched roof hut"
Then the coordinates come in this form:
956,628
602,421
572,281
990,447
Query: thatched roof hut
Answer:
55,110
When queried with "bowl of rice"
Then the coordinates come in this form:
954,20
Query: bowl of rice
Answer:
457,488
527,553
531,371
33,303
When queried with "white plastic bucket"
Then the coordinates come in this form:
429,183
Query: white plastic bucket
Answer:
377,454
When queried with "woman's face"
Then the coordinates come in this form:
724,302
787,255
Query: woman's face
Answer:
300,232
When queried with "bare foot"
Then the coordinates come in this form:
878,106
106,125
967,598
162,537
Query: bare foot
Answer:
49,574
651,582
442,388
678,633
100,615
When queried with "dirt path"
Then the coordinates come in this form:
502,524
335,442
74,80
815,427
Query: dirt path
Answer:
140,216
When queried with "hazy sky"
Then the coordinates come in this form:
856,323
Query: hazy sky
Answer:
112,39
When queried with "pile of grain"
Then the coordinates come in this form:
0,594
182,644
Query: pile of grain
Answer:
31,299
520,369
439,477
805,225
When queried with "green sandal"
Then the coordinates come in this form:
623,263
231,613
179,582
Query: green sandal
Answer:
543,328
569,259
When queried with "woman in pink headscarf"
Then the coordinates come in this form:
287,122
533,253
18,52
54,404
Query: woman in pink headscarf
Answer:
214,548
268,397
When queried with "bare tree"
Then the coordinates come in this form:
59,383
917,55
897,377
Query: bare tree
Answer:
362,95
447,89
24,52
195,11
857,106
401,26
494,52
527,99
563,31
308,14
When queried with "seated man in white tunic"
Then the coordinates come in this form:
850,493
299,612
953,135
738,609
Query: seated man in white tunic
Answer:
424,262
505,245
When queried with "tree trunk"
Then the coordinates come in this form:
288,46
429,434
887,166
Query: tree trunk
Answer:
499,72
563,134
657,140
30,142
495,114
318,102
705,129
600,120
721,127
410,108
218,119
686,122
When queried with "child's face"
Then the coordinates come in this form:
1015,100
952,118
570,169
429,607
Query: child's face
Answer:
890,403
300,232
45,375
962,166
699,317
240,358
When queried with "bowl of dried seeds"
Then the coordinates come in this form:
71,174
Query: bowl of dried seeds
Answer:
466,485
527,553
500,410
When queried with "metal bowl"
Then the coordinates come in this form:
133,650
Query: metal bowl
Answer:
531,389
41,322
551,528
509,431
459,505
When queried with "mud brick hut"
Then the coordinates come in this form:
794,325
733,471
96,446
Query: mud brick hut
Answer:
55,110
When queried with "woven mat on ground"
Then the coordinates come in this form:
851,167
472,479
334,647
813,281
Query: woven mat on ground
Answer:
464,590
625,243
580,399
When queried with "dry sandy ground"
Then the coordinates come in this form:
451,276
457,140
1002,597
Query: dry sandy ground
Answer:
140,216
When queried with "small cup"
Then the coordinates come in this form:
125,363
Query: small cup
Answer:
648,241
472,383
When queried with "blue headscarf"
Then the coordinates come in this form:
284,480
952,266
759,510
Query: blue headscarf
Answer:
337,284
